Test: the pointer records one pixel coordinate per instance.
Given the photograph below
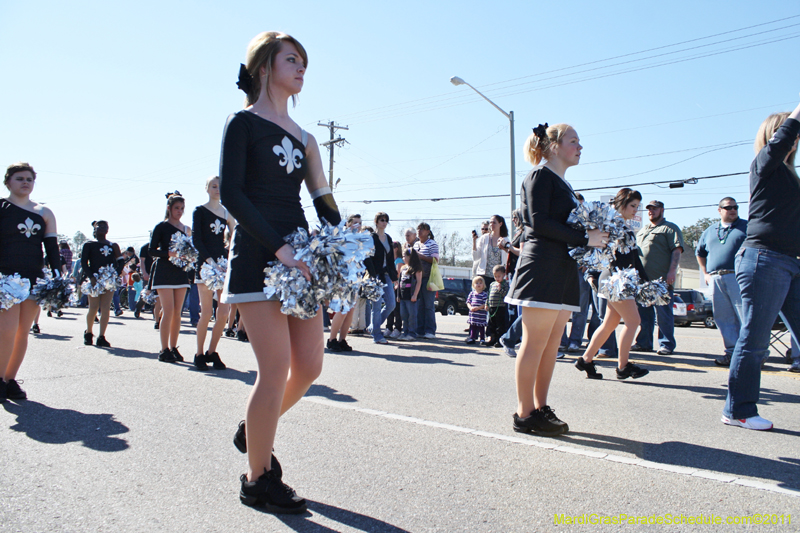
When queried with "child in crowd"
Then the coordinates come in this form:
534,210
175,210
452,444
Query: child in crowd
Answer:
498,313
410,282
477,303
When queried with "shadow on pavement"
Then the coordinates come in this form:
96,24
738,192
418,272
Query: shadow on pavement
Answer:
785,472
351,519
766,395
51,337
417,359
329,393
61,426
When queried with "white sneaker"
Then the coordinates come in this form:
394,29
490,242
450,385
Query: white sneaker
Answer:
395,334
509,351
754,422
429,336
405,338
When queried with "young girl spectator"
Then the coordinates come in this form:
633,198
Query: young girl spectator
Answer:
477,303
25,226
498,312
410,283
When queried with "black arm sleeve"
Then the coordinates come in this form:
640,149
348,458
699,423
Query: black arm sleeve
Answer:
327,209
232,172
85,261
197,232
391,268
538,197
776,150
53,256
155,243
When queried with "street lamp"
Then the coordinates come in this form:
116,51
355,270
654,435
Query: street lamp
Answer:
455,80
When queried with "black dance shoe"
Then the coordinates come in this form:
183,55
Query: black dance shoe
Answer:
176,354
166,356
102,342
541,421
589,368
87,338
271,494
240,441
213,357
14,391
200,362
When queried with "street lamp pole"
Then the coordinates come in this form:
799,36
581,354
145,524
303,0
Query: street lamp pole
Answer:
455,80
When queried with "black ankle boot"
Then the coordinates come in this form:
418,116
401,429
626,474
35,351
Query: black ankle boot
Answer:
200,362
213,357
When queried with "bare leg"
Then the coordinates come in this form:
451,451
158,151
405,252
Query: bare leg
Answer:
178,296
348,319
105,310
206,308
548,362
167,299
272,348
336,325
9,322
307,354
157,310
231,316
601,334
94,306
219,324
27,313
537,325
630,314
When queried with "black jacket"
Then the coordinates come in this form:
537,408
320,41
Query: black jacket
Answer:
375,264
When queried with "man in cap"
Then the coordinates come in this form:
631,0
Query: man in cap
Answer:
660,246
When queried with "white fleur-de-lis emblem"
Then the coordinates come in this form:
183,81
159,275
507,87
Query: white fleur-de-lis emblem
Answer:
29,228
217,227
290,156
106,250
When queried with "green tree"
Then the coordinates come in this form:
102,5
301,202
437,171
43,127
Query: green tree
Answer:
451,247
77,241
691,234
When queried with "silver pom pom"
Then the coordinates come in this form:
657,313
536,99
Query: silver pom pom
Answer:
335,257
622,285
653,293
13,290
53,292
187,254
597,215
372,289
149,296
106,280
213,274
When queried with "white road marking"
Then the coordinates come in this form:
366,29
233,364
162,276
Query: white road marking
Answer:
675,469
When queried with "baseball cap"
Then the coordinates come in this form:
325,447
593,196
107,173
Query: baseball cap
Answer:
655,203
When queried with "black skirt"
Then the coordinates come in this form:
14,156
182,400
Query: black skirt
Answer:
545,282
244,281
165,275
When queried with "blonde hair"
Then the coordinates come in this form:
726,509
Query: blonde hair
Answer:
209,180
260,52
536,148
767,130
477,279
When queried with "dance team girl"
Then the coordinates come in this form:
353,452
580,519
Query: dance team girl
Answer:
265,159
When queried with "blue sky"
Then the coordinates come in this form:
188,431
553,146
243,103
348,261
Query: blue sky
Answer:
115,104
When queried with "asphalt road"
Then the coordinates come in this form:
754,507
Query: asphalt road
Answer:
405,437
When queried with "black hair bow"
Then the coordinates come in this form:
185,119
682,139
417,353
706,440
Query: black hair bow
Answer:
171,194
245,82
541,130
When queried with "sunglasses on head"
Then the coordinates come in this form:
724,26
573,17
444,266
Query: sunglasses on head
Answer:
730,207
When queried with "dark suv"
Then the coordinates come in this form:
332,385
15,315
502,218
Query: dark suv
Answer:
698,309
453,299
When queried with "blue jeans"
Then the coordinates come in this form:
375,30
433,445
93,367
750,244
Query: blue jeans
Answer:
727,300
382,308
770,283
662,314
514,333
795,346
426,310
192,301
408,314
115,300
599,307
579,317
131,298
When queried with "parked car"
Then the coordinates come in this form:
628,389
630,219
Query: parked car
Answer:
453,299
698,308
678,308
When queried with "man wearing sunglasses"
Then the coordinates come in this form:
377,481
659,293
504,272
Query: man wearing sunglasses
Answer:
716,254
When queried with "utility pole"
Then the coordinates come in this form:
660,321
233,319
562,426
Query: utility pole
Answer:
331,144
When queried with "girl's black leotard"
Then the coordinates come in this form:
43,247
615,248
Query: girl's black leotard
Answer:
208,234
21,239
164,274
623,261
96,255
262,167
